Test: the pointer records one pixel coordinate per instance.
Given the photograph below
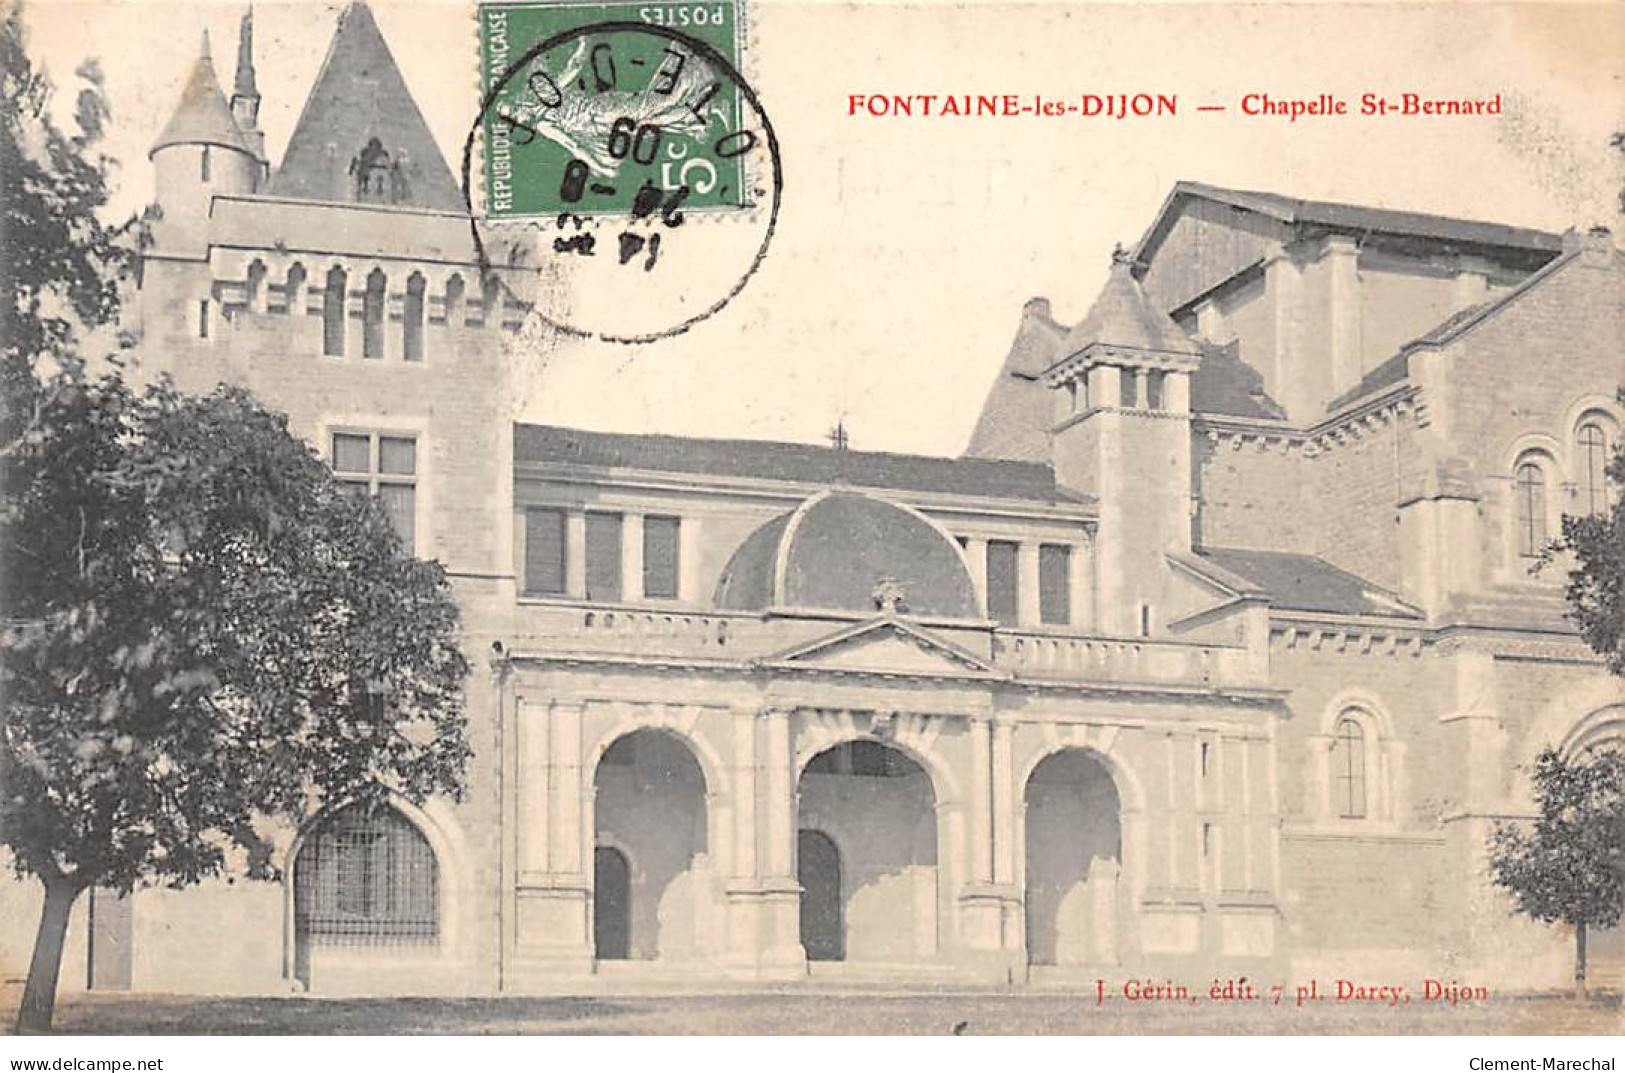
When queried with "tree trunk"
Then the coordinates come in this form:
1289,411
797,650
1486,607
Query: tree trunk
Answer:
39,996
1580,960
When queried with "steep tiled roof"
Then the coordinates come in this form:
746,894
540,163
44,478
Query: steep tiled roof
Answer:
202,116
1225,385
1298,582
1015,418
1534,245
360,95
1123,316
798,462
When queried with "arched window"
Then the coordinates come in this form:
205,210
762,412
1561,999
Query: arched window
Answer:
1529,496
371,169
1591,449
294,289
1348,769
367,877
455,314
333,313
255,284
372,316
412,319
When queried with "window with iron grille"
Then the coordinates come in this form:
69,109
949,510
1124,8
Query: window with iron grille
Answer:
367,877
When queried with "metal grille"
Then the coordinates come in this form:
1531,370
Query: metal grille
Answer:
367,878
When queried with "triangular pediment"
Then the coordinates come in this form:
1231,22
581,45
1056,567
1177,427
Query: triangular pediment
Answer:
886,646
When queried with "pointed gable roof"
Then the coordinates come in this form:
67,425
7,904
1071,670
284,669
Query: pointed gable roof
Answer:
1123,316
202,116
360,95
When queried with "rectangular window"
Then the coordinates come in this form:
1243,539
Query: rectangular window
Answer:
1003,598
604,557
203,319
203,165
660,554
382,466
1145,620
1153,389
1055,584
544,550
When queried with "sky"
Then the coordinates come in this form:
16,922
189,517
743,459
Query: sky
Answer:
906,248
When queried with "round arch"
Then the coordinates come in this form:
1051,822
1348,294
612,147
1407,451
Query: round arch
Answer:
894,842
1075,860
944,786
710,764
1130,790
660,816
435,821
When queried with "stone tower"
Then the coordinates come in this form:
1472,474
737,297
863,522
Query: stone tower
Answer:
1121,389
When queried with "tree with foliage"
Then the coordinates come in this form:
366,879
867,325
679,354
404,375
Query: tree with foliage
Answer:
1596,585
1569,866
206,637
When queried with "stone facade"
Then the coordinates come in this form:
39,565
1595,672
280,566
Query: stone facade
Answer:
1216,653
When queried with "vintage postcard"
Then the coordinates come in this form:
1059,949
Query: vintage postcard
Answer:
766,516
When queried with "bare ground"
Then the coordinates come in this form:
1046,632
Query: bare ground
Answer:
804,1011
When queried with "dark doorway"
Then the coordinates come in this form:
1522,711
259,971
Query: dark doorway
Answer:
611,904
818,866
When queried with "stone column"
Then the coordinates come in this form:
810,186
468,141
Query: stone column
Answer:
976,558
1342,260
566,837
981,801
575,554
780,855
553,900
1004,818
1080,575
533,785
688,561
1027,609
631,556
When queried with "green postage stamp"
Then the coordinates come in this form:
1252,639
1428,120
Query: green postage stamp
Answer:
595,109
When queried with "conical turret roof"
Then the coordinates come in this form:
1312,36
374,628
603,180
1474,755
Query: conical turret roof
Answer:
1123,316
202,117
360,96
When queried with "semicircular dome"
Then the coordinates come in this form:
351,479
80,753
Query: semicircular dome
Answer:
837,549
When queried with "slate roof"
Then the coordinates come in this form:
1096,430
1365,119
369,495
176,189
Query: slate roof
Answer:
831,551
1526,244
1298,582
360,95
790,462
1225,385
202,116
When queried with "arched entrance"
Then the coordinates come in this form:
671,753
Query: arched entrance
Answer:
881,808
818,866
649,813
611,904
1074,861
